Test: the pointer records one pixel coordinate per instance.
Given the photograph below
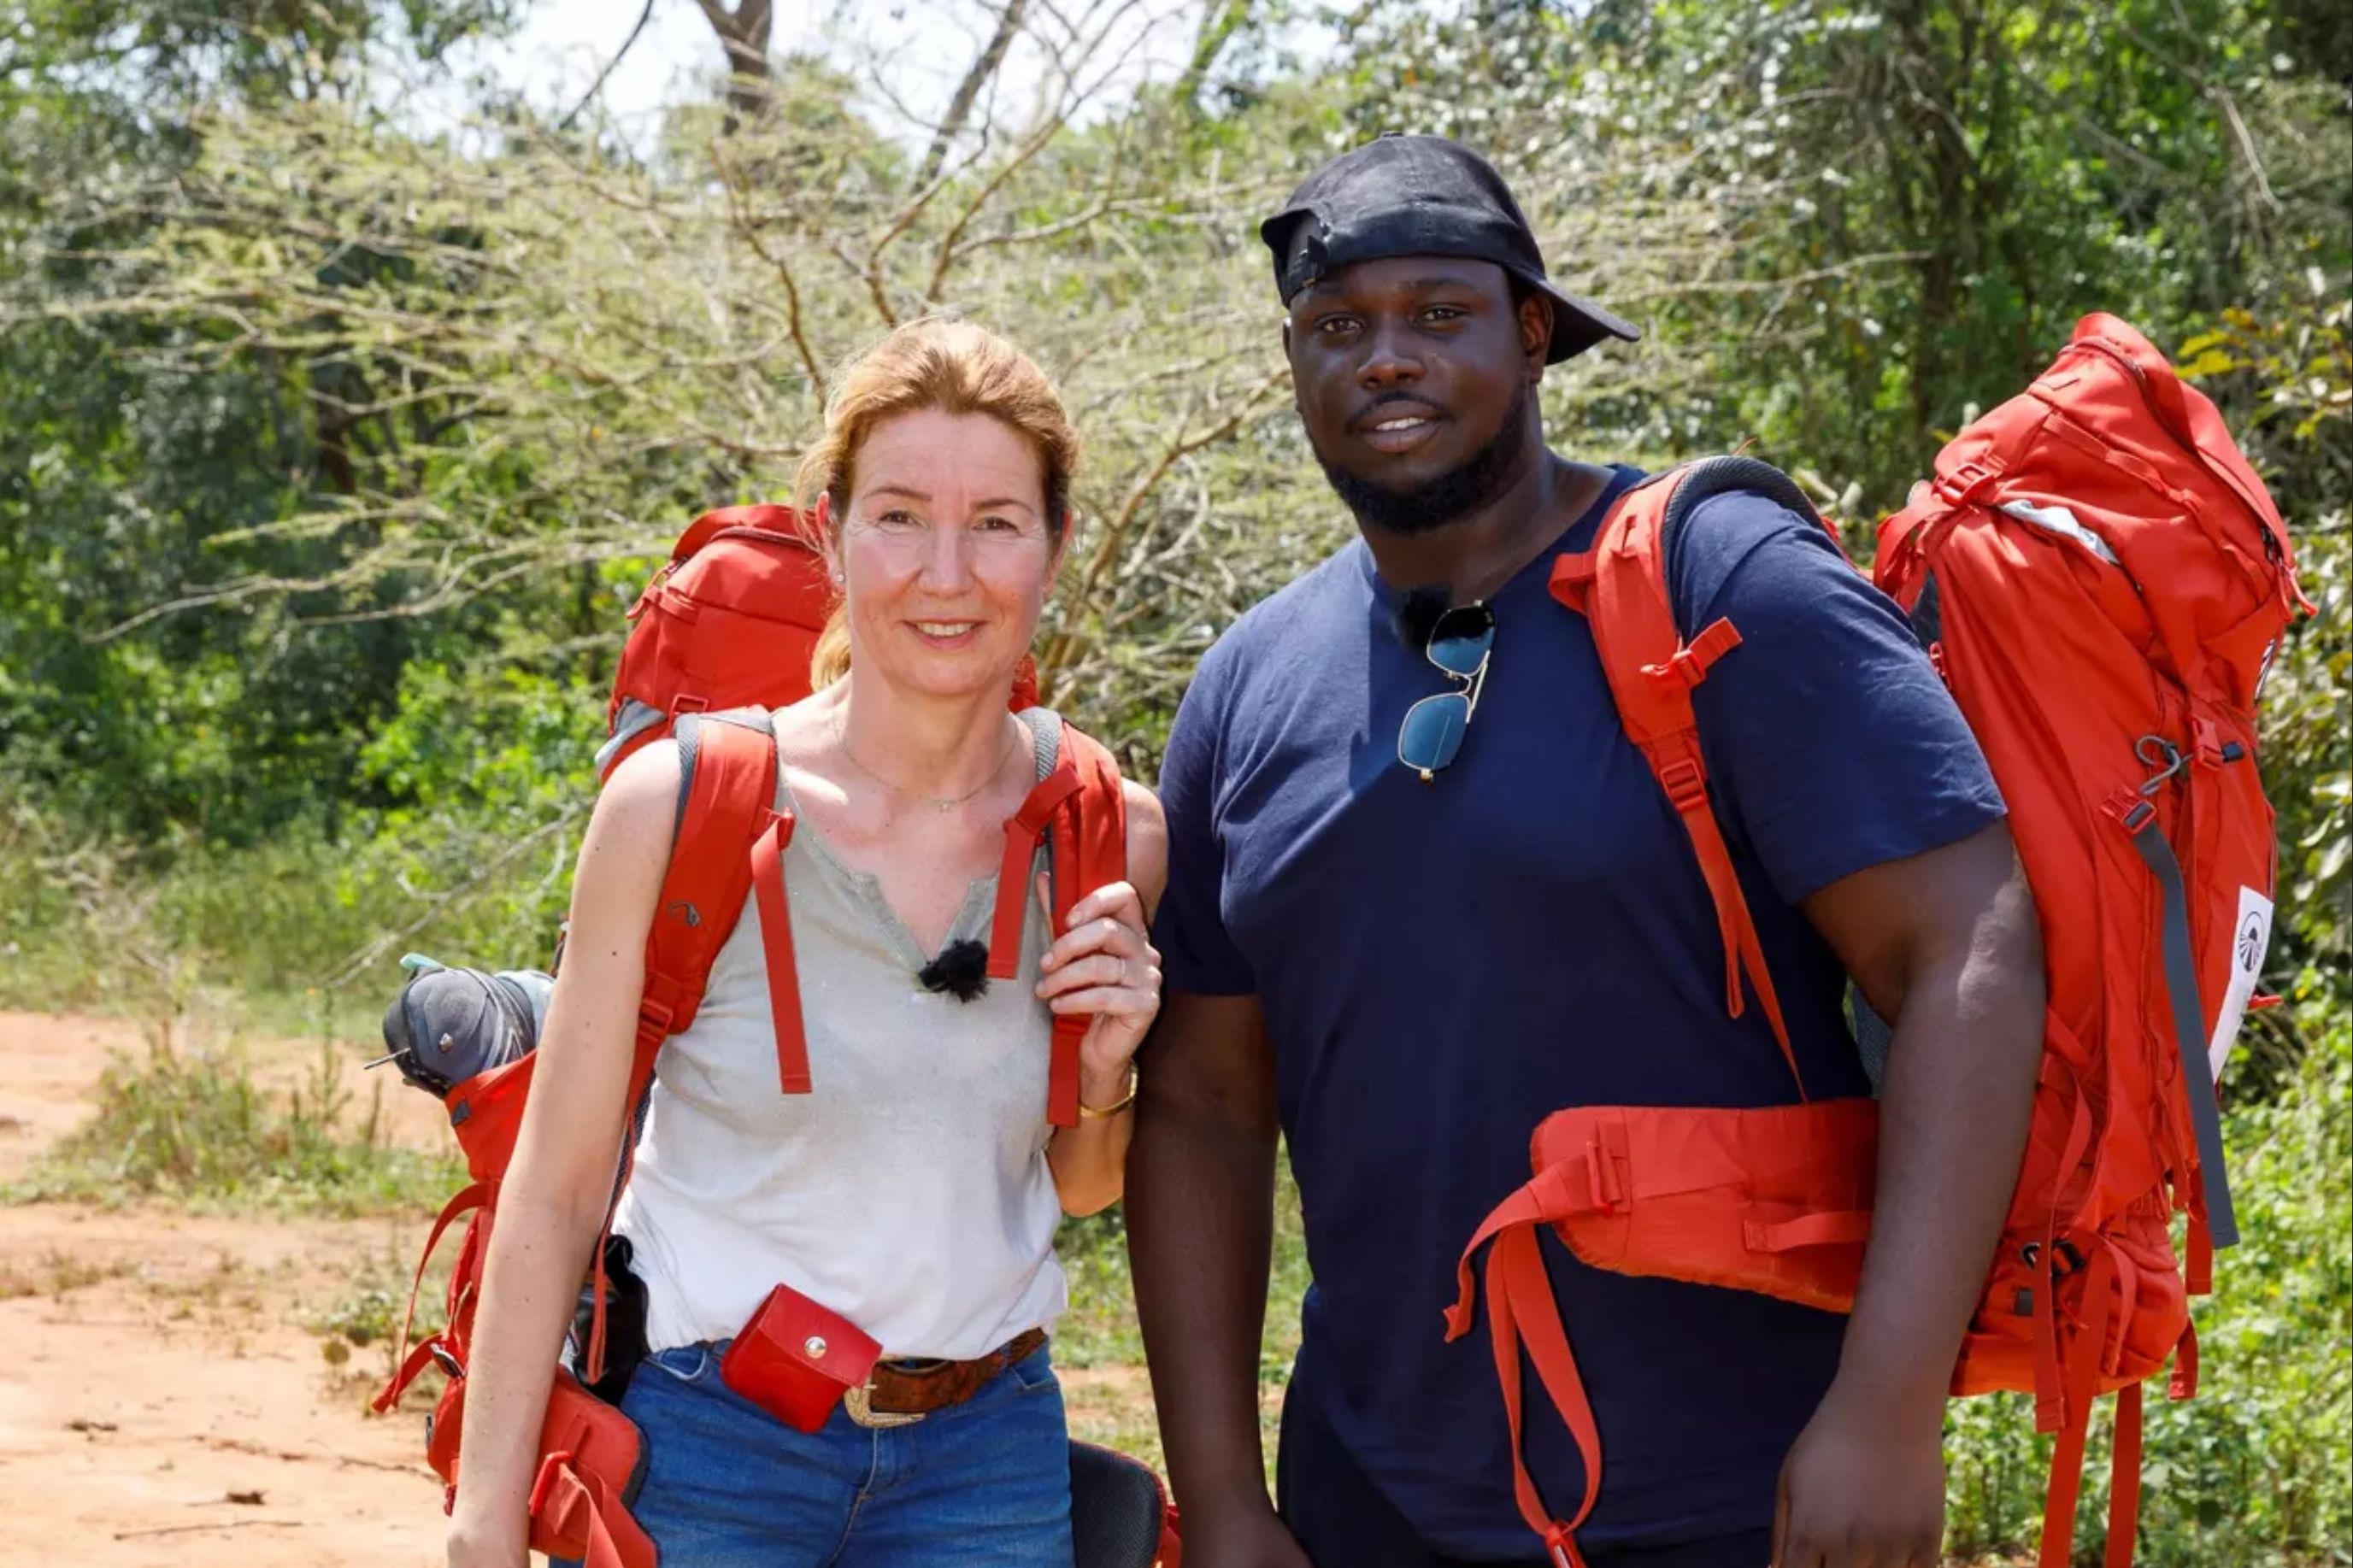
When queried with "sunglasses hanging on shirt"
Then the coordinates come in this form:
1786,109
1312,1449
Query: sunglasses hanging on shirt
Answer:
1460,643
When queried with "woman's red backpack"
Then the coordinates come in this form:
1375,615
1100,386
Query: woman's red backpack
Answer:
2101,579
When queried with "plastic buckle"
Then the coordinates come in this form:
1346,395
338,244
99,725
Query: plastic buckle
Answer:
1963,484
2206,742
1685,783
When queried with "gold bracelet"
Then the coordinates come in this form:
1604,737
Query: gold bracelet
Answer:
1125,1101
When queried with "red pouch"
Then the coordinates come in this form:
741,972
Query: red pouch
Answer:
795,1359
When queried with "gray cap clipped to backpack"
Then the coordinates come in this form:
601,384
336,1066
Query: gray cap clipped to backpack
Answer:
1422,195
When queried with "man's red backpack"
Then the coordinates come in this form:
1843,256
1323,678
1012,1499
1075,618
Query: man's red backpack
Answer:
2101,579
723,634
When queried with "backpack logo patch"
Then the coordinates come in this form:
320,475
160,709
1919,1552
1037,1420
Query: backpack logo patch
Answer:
2254,939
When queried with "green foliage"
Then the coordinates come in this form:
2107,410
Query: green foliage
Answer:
2285,377
1101,1328
199,1130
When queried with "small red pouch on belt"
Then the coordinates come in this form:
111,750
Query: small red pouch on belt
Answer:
795,1359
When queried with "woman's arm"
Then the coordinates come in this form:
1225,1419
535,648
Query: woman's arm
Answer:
553,1198
1105,965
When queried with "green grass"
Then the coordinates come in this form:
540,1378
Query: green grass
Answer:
1099,1351
196,1128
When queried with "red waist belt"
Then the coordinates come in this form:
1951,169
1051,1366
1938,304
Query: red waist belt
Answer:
1775,1201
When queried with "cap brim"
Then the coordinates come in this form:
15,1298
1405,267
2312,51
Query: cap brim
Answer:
1578,323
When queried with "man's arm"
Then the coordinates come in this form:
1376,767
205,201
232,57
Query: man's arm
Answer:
1200,1226
1946,945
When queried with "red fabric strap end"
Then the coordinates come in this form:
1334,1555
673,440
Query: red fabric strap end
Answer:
2184,1384
1690,664
411,1367
2124,1479
776,943
1062,1068
1012,898
2198,1268
1022,832
472,1195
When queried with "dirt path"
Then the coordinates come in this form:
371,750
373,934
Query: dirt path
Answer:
163,1403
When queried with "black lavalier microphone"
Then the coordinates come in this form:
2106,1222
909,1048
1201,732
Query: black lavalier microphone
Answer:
1417,610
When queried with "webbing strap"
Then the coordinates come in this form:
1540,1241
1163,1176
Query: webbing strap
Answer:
1516,1283
777,944
412,1367
582,1514
1022,831
1551,1197
2124,1479
473,1194
2189,1038
1521,1309
2083,1384
2184,1384
1681,771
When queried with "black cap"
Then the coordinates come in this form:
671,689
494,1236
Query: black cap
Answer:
1422,195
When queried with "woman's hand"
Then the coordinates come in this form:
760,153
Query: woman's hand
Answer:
1104,965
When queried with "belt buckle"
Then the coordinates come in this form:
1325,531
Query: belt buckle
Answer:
859,1403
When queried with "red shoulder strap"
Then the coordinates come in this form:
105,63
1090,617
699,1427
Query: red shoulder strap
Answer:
1079,804
1620,587
730,793
730,790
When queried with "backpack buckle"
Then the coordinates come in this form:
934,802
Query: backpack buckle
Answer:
1964,484
1685,783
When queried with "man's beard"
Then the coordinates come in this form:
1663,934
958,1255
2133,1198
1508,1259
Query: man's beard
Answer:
1453,495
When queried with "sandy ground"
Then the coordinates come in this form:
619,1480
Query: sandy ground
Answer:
162,1402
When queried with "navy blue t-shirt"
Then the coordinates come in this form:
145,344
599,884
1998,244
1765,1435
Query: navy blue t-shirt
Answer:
1441,964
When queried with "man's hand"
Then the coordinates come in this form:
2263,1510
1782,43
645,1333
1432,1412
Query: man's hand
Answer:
1864,1486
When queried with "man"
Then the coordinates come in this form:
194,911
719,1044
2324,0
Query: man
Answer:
1404,974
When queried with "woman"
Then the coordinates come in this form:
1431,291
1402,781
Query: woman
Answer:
917,1191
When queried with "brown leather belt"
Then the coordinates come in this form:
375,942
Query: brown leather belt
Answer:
899,1392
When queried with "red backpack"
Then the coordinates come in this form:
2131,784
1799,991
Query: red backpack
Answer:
2102,524
720,635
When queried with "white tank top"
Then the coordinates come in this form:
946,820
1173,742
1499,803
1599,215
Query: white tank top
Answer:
910,1191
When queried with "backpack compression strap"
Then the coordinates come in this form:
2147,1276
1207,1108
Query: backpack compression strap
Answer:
1078,811
1620,587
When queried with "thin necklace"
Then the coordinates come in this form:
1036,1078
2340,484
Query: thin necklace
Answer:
841,737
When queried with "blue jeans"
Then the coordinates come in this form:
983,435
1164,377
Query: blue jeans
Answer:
986,1483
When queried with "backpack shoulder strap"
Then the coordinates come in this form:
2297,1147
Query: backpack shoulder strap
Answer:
1622,586
728,792
1078,811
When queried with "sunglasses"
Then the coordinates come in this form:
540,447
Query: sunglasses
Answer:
1459,644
